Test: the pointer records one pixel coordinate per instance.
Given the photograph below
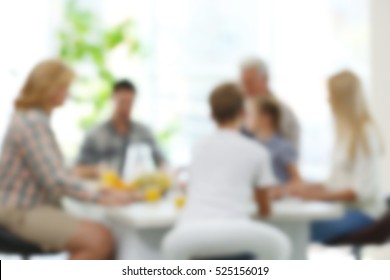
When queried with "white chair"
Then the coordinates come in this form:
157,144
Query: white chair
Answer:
210,239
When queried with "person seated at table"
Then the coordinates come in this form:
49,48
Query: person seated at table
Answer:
106,144
34,179
227,168
255,81
354,179
267,130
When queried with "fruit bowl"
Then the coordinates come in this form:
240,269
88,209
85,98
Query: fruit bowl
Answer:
153,185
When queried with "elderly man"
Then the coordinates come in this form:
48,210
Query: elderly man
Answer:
254,79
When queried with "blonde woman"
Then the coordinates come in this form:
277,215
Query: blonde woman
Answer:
33,177
354,178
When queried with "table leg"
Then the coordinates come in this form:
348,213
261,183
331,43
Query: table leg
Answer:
138,244
299,234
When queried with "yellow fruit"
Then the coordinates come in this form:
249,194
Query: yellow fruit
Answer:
180,201
152,194
163,180
157,179
111,179
119,185
137,183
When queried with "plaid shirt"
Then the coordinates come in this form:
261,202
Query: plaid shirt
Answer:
32,171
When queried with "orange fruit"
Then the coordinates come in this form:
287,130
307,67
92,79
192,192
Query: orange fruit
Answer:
119,185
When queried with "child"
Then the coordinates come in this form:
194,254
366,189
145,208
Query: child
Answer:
267,126
227,169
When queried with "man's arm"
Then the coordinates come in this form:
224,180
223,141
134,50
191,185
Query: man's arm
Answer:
86,171
347,195
263,201
265,182
300,188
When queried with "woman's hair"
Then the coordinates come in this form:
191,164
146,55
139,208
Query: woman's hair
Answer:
269,106
43,81
351,112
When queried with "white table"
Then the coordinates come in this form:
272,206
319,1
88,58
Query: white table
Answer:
140,228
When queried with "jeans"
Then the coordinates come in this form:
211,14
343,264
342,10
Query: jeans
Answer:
353,221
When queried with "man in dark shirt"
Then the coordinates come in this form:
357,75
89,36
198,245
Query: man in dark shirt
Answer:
108,142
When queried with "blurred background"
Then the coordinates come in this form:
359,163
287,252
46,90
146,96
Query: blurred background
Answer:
176,51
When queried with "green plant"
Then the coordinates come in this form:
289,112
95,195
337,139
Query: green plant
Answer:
166,135
86,45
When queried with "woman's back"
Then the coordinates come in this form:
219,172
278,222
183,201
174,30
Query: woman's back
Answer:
17,179
31,167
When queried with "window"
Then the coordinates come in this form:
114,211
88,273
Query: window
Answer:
190,46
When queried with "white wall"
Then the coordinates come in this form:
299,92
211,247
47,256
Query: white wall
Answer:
25,41
380,67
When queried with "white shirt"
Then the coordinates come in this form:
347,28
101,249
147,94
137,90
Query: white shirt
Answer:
362,175
225,169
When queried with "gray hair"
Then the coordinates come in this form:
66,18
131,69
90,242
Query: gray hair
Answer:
255,63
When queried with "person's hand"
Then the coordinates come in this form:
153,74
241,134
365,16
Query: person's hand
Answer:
295,185
306,195
110,197
295,188
298,192
277,193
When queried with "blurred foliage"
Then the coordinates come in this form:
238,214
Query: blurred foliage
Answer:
166,136
86,46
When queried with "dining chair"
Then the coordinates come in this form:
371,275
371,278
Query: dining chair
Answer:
11,244
376,234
